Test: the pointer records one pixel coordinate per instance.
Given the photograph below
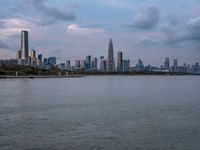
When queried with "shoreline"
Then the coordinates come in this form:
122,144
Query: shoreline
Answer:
87,75
40,77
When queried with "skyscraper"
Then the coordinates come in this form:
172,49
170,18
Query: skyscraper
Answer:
24,46
68,64
77,64
167,63
126,65
119,61
94,63
110,61
88,63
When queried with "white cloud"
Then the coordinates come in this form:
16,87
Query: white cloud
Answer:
77,29
13,26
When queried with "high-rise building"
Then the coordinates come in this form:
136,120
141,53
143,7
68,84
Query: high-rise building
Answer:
103,65
52,61
39,59
24,46
175,62
83,64
175,66
33,58
33,54
119,61
94,63
167,63
45,61
140,65
77,64
110,60
68,64
88,63
126,65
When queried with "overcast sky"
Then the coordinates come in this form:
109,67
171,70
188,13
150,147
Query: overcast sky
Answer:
71,29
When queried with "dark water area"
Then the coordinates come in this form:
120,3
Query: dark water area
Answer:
101,113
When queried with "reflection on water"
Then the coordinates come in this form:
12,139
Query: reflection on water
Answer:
102,112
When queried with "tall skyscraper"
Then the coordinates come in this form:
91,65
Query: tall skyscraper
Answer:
39,59
24,46
110,61
119,61
175,62
33,54
94,63
68,64
77,64
83,64
88,63
167,63
126,65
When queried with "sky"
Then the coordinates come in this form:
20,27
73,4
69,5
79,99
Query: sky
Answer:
71,29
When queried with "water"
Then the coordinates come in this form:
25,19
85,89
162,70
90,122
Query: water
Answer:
94,113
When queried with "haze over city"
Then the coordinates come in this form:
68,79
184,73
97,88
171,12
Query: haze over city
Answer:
149,30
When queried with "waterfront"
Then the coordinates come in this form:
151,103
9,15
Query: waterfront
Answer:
101,112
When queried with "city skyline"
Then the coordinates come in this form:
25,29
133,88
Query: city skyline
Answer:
147,30
91,63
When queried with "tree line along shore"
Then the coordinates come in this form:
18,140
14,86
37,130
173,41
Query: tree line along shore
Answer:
19,70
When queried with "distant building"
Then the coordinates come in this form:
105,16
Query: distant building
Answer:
101,57
126,65
77,64
52,61
119,61
167,64
68,64
174,68
110,60
94,63
9,62
24,46
83,64
18,54
88,63
33,58
45,61
39,60
103,65
61,66
140,65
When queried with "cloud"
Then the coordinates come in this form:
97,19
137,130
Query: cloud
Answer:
147,17
77,29
192,27
3,44
51,15
189,32
12,26
39,12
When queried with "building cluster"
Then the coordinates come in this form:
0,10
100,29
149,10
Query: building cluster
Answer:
24,56
105,65
167,67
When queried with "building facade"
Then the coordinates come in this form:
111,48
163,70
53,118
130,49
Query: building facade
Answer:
110,60
24,46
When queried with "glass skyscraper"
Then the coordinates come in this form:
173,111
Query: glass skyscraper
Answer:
24,46
110,61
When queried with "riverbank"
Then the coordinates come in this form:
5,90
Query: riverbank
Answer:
35,76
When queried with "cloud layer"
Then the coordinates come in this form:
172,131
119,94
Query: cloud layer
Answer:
147,17
150,28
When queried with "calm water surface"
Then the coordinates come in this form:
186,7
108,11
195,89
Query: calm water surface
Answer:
94,113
